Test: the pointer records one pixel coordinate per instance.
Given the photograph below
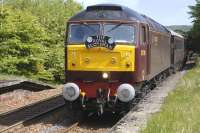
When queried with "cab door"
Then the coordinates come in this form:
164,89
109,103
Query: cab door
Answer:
144,47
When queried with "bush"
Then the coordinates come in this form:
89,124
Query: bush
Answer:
32,37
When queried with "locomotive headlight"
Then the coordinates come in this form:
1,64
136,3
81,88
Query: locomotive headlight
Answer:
125,92
89,39
105,75
71,91
110,41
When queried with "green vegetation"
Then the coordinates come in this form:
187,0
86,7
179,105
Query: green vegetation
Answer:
181,29
194,34
180,113
184,28
32,37
13,77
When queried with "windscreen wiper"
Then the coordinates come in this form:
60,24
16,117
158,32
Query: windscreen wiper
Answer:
116,26
89,27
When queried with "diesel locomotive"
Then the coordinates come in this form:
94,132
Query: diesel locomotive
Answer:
112,53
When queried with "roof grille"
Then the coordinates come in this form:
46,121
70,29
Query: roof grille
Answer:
104,7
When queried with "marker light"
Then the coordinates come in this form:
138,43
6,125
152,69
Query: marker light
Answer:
110,41
105,75
89,39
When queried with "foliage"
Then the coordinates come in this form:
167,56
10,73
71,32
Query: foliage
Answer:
182,28
32,37
194,34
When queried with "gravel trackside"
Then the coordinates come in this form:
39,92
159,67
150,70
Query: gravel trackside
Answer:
19,98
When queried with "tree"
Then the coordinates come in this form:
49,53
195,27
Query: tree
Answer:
32,37
194,34
21,42
52,14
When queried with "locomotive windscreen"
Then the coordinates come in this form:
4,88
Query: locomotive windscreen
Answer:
122,33
80,32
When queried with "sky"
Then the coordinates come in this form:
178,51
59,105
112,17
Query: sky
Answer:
166,12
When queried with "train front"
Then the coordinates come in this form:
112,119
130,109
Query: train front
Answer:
100,62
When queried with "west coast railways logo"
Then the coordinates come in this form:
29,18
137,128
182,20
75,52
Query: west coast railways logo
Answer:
100,41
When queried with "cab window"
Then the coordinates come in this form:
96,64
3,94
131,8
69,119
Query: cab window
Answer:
143,35
79,32
120,33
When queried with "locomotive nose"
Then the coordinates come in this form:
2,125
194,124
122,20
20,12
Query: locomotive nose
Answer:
120,59
71,91
125,92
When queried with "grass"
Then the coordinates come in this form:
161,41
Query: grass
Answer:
181,111
10,77
17,77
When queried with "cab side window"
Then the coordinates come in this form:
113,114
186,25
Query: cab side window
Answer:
143,35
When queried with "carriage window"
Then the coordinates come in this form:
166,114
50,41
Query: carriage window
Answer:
78,33
143,34
120,32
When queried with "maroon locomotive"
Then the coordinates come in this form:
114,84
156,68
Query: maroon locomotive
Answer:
112,54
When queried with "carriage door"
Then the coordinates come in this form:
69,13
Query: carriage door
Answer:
144,44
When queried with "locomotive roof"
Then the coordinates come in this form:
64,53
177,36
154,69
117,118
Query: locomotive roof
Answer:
116,12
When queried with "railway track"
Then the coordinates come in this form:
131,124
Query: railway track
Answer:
105,127
67,130
10,85
14,118
96,126
10,120
74,126
6,84
90,124
77,127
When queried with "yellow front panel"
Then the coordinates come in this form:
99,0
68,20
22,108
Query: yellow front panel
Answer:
122,58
